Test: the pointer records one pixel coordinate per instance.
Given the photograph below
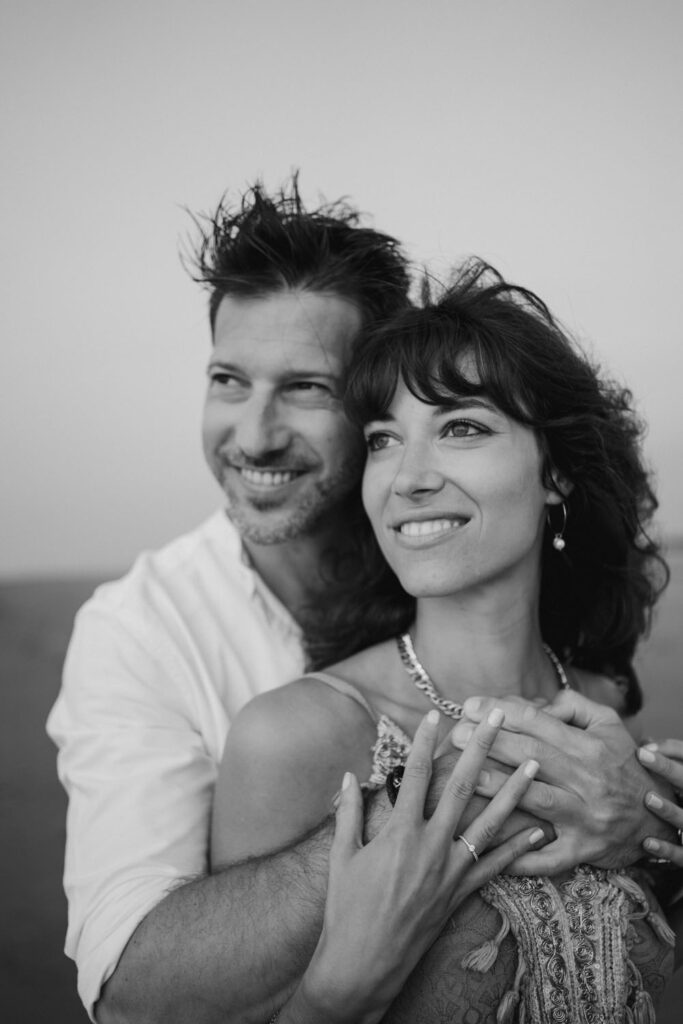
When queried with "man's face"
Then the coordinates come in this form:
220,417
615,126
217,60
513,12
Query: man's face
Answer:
274,431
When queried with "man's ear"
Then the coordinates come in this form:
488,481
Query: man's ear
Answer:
561,489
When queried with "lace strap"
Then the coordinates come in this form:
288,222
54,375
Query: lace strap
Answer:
348,689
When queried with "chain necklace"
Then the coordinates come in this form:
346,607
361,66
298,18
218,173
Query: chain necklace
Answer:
422,681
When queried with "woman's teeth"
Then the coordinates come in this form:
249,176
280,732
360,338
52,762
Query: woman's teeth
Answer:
428,526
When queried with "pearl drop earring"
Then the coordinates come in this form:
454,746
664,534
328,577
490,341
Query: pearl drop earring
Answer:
559,542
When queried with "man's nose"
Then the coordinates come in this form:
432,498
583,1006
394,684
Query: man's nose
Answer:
417,473
260,427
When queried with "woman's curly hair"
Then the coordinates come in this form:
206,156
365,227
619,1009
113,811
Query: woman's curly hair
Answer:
597,595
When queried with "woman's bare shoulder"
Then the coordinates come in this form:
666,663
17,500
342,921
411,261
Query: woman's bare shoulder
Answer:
284,759
306,714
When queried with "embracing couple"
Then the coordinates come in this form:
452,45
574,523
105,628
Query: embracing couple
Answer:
432,574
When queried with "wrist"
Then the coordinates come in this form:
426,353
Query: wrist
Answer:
319,999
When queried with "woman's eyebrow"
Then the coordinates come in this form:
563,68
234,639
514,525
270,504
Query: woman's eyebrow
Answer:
465,402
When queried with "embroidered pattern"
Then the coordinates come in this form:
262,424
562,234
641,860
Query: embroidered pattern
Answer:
391,749
573,938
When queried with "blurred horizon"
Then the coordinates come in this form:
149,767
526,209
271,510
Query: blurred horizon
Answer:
673,548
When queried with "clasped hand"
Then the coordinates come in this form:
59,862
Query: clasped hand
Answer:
591,787
388,900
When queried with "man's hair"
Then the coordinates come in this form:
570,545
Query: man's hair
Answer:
597,595
265,244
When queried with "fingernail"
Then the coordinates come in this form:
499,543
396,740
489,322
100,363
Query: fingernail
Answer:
484,778
530,769
646,755
652,800
529,712
433,717
496,717
652,844
472,705
536,835
461,733
650,746
346,780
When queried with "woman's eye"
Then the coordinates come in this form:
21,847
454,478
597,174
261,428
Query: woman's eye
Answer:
377,441
464,428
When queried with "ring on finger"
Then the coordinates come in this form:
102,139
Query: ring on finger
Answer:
471,848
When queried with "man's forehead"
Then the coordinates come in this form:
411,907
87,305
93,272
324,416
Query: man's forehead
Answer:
290,309
295,329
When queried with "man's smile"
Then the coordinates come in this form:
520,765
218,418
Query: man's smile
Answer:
267,478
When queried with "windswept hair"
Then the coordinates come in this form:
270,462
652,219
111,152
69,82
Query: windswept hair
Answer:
597,595
265,243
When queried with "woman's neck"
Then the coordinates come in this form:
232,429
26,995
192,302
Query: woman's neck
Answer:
477,651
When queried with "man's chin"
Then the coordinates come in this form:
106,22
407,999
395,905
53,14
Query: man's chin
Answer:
266,525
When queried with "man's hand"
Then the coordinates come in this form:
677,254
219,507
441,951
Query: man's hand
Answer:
590,786
665,760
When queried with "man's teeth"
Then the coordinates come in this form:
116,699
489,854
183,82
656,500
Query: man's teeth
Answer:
429,526
267,478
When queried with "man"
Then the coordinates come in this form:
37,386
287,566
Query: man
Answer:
162,660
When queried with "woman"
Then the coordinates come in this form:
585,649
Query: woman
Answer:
506,493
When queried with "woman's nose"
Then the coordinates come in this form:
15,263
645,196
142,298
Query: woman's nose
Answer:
260,428
417,474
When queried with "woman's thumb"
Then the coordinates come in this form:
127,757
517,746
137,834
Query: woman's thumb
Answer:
348,831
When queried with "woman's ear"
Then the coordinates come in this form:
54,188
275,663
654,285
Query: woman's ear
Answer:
561,489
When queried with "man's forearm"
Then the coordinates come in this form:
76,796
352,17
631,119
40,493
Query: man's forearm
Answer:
226,947
231,947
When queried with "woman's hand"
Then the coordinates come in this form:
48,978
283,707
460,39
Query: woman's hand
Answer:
388,901
665,759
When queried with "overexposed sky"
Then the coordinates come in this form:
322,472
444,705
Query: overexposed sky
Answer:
545,136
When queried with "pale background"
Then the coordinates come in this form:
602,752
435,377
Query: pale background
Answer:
545,136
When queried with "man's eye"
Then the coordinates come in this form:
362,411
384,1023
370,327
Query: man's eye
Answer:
464,428
222,378
308,386
308,392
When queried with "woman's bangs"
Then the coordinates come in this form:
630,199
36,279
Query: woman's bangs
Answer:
439,360
449,365
372,385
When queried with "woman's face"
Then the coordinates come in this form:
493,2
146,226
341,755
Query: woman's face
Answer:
455,496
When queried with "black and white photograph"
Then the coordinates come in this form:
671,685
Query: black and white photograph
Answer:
341,574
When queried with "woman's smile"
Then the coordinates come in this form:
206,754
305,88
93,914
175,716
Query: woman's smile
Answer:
429,529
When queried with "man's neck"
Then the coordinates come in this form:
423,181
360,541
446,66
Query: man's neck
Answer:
291,570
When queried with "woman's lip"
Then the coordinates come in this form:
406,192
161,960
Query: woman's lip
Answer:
431,526
432,517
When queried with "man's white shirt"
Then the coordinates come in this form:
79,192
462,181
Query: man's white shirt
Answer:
159,664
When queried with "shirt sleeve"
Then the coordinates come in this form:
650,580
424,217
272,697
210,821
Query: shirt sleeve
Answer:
139,779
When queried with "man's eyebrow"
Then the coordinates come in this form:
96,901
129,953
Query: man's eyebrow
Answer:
290,374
